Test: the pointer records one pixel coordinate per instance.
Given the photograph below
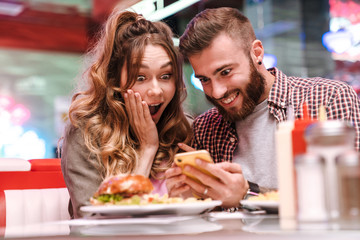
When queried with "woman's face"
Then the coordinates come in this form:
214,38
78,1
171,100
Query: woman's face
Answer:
155,82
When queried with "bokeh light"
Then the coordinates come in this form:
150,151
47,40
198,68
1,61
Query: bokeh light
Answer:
15,141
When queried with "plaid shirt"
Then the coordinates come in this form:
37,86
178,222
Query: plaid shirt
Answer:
219,137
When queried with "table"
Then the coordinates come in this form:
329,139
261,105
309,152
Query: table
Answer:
216,226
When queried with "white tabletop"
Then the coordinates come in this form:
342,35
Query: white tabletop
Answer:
217,226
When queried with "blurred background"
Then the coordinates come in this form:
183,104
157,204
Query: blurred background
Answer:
42,43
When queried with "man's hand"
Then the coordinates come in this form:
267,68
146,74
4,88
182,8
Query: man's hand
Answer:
175,182
229,187
185,147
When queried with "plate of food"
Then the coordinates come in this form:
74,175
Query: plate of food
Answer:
268,201
185,208
130,195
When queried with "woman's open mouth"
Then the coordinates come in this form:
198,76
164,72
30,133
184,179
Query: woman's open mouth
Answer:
154,108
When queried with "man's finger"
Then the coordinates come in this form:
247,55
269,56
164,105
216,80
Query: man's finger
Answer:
185,147
173,171
230,167
178,191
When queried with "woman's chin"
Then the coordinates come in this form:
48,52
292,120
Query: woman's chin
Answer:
156,117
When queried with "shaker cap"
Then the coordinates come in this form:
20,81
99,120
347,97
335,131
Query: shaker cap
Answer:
350,158
330,132
309,159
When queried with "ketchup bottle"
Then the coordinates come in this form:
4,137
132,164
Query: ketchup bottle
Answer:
298,140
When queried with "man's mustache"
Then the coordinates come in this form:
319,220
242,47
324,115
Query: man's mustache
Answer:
226,95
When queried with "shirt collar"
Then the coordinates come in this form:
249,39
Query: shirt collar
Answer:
279,90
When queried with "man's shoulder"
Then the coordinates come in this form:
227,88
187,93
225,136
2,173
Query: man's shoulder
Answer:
318,89
318,81
210,114
210,117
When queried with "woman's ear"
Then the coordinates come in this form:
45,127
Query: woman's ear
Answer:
257,52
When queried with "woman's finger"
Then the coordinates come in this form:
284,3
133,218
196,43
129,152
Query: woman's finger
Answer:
127,105
132,105
146,112
139,108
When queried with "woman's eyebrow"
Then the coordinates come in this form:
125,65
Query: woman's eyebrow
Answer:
166,64
162,66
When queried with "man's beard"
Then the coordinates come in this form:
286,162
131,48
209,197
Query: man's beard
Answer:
253,91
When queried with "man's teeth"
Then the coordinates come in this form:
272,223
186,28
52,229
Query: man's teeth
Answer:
229,99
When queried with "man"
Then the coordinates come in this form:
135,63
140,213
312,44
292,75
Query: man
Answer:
250,100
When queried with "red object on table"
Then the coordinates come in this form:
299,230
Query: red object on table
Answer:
47,164
299,144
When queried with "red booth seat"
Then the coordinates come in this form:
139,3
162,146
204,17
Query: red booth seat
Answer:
31,191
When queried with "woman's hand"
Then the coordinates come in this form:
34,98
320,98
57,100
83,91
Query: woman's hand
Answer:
144,128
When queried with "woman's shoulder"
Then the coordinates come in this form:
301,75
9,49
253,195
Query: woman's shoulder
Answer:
72,138
71,132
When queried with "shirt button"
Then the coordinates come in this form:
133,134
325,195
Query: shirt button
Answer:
232,139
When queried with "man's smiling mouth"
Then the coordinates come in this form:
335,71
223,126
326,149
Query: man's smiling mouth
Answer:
230,98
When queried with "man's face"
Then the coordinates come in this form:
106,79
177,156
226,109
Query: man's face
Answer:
229,78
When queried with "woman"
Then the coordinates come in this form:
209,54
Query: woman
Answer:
129,119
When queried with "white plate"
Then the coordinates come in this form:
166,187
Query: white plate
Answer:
191,226
116,220
152,209
269,206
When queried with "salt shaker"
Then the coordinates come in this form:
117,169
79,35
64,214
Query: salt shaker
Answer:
348,167
310,184
329,139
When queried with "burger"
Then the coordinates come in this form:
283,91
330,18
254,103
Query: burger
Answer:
123,190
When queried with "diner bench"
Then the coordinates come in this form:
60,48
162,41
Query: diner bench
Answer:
31,192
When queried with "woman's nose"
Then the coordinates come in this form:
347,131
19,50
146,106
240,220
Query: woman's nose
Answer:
154,88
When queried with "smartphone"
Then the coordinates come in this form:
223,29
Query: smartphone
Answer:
188,158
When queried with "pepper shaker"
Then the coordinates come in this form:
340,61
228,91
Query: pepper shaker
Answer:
348,167
329,139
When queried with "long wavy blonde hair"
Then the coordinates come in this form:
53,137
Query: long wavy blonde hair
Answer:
99,111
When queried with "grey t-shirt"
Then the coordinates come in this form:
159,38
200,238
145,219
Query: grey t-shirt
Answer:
256,147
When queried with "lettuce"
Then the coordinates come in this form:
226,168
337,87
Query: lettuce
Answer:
105,198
